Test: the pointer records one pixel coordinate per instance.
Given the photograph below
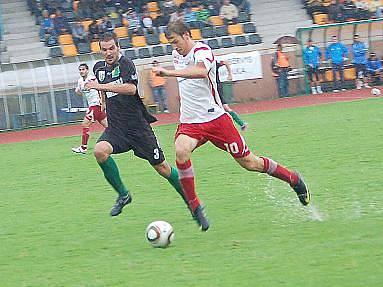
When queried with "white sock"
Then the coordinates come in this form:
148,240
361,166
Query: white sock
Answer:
313,91
319,89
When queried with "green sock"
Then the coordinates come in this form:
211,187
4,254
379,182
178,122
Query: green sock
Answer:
112,175
236,118
175,182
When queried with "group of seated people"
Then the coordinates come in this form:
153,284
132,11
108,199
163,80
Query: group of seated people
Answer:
57,17
344,10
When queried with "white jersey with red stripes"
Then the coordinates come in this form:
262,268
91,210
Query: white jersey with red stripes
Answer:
92,96
200,102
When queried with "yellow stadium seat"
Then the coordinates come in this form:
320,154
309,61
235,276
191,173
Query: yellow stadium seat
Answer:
138,41
69,50
153,15
163,39
321,19
350,74
235,29
196,34
153,6
216,20
121,32
86,24
65,39
95,47
178,2
125,22
195,9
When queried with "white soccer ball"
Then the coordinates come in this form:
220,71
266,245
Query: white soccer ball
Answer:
160,234
376,92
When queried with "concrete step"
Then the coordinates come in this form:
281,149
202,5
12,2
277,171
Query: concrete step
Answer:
28,58
283,19
19,47
32,51
14,15
22,22
4,58
31,39
14,5
24,35
277,5
17,30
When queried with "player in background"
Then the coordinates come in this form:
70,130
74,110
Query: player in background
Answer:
128,121
311,57
96,111
202,119
243,125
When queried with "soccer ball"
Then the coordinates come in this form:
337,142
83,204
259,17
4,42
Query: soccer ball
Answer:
375,92
159,234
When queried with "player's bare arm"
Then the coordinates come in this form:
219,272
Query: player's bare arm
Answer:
195,72
124,89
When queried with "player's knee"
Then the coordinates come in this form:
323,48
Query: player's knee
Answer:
100,153
182,154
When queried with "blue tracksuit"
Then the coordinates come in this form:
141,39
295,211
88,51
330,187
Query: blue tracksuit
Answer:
374,65
311,56
336,52
359,51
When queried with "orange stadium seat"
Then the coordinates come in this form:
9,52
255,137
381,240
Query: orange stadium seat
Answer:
138,41
86,24
350,74
321,19
196,34
65,39
153,15
153,7
69,50
178,2
216,20
95,47
163,39
235,29
121,32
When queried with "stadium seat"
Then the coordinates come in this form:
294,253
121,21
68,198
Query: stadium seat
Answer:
169,49
143,53
249,28
221,31
240,40
95,47
65,39
195,24
163,39
69,50
86,24
350,74
178,2
158,51
152,39
213,44
196,34
121,32
207,32
216,20
254,39
83,48
130,54
243,17
227,42
55,52
125,43
152,6
321,19
138,41
153,15
235,29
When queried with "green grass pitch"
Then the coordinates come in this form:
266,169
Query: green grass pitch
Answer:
55,228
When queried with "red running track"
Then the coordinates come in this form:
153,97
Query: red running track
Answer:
250,108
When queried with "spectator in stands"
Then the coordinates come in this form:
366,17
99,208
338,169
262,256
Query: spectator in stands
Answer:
243,5
334,11
362,10
106,25
213,7
46,26
97,9
281,67
157,84
94,31
374,69
161,20
168,7
228,12
359,51
134,23
374,7
312,56
349,10
379,12
203,15
336,54
61,24
189,15
147,23
178,14
315,6
84,11
79,34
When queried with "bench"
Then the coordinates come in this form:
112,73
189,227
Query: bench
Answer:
25,120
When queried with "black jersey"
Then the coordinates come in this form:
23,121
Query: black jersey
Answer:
124,111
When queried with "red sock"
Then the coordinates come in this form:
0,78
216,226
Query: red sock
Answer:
186,174
85,138
276,170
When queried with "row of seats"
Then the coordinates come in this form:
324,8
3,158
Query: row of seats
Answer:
154,51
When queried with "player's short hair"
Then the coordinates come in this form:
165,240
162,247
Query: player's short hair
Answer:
178,27
83,65
105,37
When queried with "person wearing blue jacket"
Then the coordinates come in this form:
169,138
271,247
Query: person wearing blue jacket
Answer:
359,51
374,68
311,57
336,53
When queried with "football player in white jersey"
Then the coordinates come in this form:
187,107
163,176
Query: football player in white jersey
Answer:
96,111
204,119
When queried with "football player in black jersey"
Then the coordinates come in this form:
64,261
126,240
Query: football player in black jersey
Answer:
128,123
